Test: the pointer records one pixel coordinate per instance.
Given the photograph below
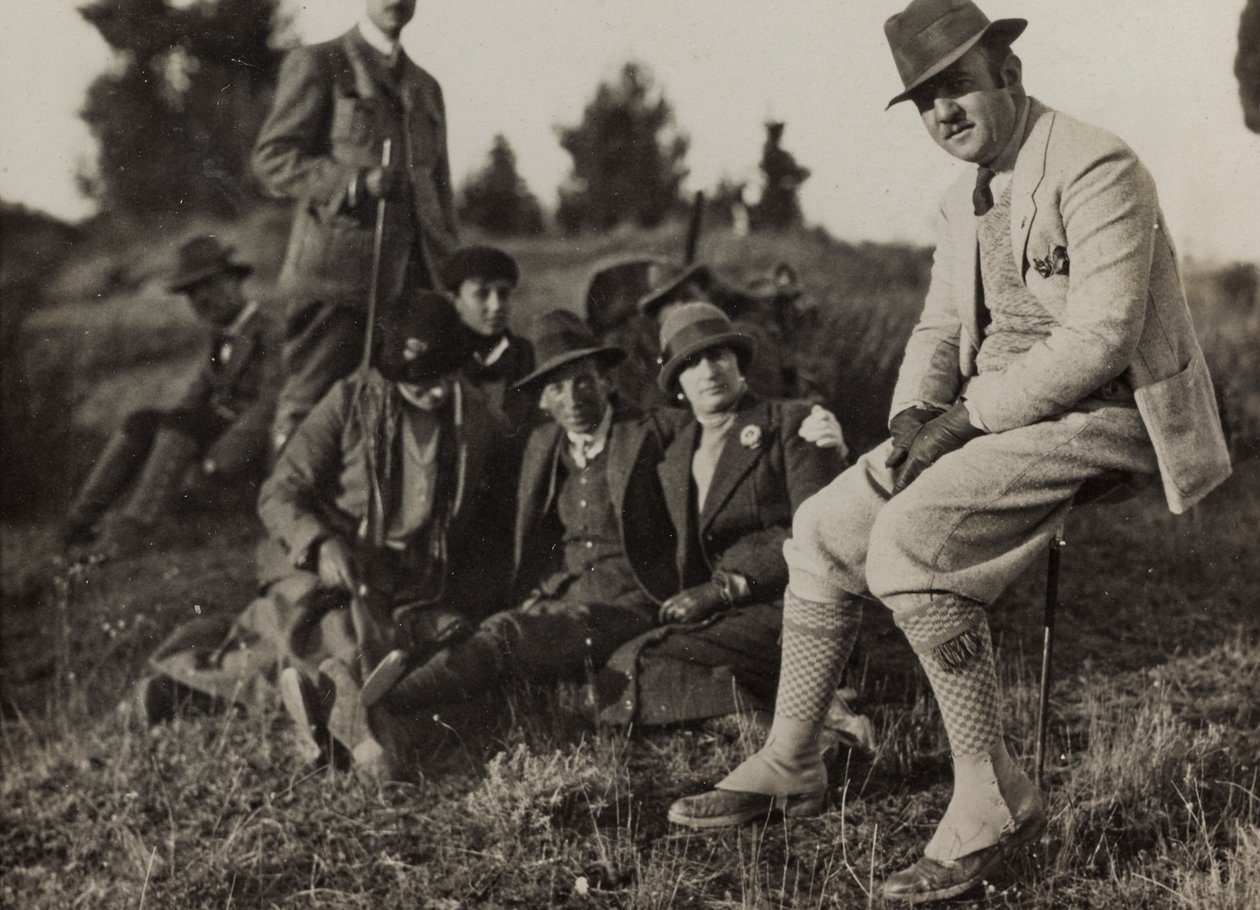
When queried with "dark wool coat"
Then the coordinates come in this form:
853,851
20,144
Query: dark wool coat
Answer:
636,443
334,107
765,471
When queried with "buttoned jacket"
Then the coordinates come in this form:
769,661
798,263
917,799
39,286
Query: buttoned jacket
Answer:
636,443
763,474
1090,243
334,107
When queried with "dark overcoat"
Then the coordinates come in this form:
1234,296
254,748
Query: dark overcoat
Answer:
765,471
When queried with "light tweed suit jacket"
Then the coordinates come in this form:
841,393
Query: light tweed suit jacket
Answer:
1118,302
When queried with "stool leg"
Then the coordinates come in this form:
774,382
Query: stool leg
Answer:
1047,650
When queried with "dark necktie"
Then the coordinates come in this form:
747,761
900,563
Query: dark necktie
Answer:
982,196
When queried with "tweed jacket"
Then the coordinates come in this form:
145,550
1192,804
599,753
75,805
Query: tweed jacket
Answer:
764,472
334,107
520,408
1090,243
636,443
318,487
241,391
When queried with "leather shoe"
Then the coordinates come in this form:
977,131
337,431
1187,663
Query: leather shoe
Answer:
384,676
728,808
930,880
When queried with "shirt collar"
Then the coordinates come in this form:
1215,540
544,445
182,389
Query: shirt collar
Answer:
591,444
235,326
378,40
1005,161
491,357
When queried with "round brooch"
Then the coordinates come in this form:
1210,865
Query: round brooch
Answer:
750,436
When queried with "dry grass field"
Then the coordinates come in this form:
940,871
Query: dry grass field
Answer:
524,800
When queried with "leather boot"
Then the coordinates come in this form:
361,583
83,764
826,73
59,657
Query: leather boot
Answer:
172,454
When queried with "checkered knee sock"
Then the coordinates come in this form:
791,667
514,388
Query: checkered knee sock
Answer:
817,640
951,637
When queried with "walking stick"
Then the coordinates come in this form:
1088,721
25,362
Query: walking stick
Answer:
375,280
1047,650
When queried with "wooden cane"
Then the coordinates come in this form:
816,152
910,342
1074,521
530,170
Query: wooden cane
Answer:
374,282
1047,650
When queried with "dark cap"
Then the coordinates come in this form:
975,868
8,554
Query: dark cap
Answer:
485,262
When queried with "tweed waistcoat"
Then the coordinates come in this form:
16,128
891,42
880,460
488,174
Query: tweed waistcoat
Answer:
1017,320
594,557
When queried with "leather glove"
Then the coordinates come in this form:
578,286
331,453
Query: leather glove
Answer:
939,436
904,427
699,602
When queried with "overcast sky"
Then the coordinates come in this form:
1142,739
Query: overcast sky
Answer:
1157,72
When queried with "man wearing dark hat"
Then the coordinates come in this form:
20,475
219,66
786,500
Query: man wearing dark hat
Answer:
335,106
1055,350
221,419
594,554
387,528
481,280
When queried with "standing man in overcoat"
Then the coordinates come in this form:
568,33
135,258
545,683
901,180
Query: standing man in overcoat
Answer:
336,104
1055,348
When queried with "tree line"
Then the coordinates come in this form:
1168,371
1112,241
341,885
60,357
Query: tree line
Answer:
176,116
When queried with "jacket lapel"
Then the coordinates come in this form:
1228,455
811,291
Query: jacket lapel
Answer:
538,483
675,474
737,459
625,438
243,345
1030,170
365,85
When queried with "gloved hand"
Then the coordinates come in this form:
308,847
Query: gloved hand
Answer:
904,427
336,567
699,602
939,436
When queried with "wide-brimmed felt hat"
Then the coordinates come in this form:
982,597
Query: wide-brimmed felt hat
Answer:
696,327
485,262
201,258
928,36
563,338
669,280
421,339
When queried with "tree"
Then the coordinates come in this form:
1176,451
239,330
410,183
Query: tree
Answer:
176,118
628,158
496,198
779,207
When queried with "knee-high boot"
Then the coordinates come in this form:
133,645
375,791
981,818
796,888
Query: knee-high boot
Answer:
787,772
994,807
172,454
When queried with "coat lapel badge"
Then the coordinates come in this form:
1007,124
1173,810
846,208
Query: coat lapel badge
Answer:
1055,263
750,436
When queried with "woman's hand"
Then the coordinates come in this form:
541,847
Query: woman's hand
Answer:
823,430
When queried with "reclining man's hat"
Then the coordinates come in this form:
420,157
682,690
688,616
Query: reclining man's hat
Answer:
564,338
422,340
696,327
485,262
669,281
928,36
201,258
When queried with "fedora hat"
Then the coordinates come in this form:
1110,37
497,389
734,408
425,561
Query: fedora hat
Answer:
696,327
564,338
204,257
668,280
485,262
421,340
930,35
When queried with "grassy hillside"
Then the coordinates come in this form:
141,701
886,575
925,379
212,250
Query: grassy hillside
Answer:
524,801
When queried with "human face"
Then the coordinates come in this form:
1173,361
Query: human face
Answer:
576,396
712,382
217,299
390,15
484,306
968,112
425,395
